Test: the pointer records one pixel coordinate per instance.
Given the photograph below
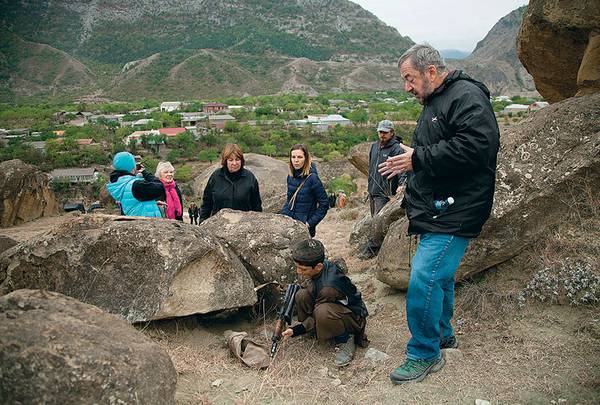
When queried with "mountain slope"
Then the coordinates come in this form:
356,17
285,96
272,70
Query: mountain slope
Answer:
494,60
117,31
198,48
31,68
182,49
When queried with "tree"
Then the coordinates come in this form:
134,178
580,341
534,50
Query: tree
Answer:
173,155
269,149
358,115
208,155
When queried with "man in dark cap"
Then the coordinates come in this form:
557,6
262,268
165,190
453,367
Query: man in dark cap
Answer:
328,302
380,188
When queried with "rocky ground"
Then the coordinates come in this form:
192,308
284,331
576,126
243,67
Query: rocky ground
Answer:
539,353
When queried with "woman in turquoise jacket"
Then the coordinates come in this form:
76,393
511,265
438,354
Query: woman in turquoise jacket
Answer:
136,195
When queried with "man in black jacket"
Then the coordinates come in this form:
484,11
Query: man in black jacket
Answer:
451,169
381,188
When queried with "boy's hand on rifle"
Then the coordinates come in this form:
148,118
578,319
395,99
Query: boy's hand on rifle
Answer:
288,333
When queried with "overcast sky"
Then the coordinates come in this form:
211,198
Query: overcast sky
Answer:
445,24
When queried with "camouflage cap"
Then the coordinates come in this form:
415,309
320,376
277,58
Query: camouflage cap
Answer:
385,126
308,252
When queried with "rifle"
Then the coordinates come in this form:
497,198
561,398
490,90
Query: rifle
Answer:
284,316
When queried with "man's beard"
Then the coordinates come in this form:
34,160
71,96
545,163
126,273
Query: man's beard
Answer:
427,90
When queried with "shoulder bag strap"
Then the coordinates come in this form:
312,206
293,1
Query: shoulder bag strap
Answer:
293,199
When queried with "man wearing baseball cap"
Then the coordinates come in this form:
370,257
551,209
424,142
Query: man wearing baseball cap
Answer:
379,187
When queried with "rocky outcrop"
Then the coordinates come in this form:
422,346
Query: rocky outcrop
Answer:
331,169
141,269
559,44
375,228
494,60
270,173
57,350
359,236
262,241
547,163
359,157
25,194
6,243
393,261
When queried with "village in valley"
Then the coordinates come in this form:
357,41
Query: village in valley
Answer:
75,146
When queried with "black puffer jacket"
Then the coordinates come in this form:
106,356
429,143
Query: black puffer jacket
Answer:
238,191
456,142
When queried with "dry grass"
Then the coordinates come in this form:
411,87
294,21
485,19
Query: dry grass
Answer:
538,354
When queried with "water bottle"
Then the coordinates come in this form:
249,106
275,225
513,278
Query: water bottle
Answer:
442,205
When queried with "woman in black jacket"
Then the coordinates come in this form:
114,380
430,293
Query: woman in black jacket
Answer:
231,186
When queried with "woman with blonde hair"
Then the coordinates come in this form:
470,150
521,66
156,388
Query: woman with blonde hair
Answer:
306,197
231,186
173,207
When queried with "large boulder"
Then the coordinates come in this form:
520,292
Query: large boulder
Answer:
360,233
546,163
335,168
375,228
261,240
141,269
393,261
559,44
270,173
25,194
359,157
57,350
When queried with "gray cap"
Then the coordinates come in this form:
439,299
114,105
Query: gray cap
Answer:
385,126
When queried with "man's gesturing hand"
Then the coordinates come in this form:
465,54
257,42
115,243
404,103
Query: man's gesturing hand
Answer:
397,164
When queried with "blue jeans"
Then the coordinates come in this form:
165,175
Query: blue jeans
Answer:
430,296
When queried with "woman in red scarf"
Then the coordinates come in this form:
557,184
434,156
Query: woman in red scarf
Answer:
165,172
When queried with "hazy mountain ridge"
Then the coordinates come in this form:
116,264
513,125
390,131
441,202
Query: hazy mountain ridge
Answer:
494,60
207,48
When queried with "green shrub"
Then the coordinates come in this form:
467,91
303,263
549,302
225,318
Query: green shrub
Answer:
60,186
208,155
183,174
333,155
343,183
150,164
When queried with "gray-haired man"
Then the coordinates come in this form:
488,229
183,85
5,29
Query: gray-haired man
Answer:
449,192
381,188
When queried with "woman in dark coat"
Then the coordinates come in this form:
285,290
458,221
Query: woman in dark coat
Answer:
231,186
306,197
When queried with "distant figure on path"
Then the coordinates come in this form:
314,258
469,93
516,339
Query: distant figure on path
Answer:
307,199
381,188
231,186
193,213
451,169
137,196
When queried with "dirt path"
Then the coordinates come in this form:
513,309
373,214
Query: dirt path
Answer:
546,354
